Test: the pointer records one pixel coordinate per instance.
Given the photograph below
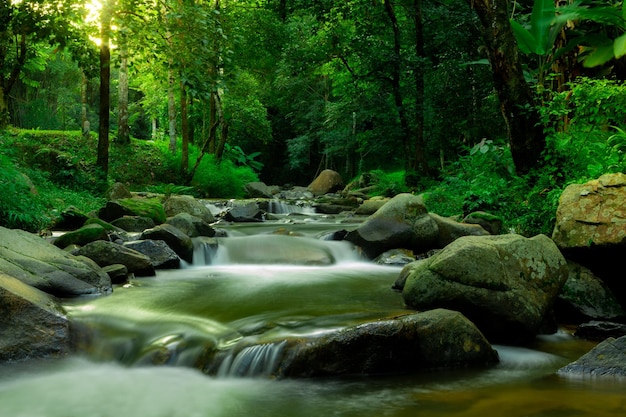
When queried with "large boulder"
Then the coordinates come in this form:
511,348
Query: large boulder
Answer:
505,284
590,227
328,181
144,207
415,342
191,225
258,189
175,239
36,262
108,253
450,230
585,297
177,204
606,359
32,323
403,222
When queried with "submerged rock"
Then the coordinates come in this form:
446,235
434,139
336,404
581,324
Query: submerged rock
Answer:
32,323
606,359
429,340
505,284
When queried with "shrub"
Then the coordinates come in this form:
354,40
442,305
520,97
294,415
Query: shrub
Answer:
222,180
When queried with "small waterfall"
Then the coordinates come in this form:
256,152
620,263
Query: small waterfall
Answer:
257,360
282,207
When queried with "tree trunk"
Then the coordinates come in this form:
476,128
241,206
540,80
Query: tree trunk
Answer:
524,130
184,160
123,130
396,71
420,163
209,145
4,109
102,161
171,111
6,84
84,121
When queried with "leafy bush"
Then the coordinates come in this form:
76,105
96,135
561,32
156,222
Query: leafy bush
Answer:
222,180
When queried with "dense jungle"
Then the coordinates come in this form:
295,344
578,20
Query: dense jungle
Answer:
170,246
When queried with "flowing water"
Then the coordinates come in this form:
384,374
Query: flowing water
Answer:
140,343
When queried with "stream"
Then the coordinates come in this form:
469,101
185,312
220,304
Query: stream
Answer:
253,288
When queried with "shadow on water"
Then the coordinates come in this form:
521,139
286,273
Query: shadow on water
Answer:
181,318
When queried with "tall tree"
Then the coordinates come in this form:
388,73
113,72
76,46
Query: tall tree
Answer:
524,130
25,23
106,17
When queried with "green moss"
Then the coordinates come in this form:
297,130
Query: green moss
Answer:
149,207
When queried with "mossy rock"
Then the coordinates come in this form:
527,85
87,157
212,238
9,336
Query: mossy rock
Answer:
105,225
149,207
82,236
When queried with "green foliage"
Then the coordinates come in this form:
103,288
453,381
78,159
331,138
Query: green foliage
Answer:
222,180
238,156
584,126
390,183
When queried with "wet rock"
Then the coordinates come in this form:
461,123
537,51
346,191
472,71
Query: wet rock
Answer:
177,204
117,191
32,323
487,221
175,239
109,253
505,284
585,297
258,189
37,263
328,181
82,236
160,254
600,330
606,359
395,257
450,230
117,272
403,222
144,207
133,223
429,340
371,206
191,225
244,211
70,219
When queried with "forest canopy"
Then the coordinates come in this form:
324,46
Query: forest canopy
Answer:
528,91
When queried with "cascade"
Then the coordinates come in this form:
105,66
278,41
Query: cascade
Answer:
257,360
282,207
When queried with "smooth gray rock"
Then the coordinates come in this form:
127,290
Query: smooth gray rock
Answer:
42,265
32,323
